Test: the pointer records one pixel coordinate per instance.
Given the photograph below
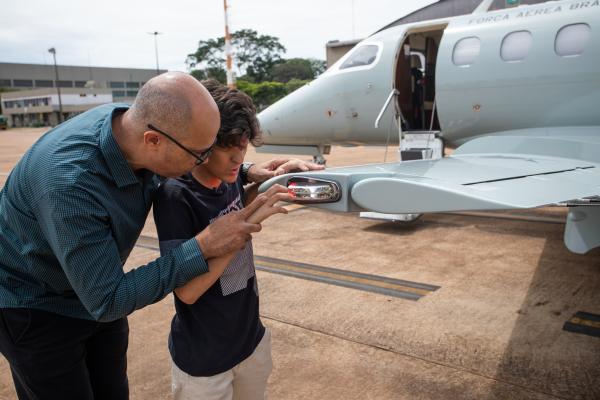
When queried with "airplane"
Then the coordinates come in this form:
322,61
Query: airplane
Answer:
516,91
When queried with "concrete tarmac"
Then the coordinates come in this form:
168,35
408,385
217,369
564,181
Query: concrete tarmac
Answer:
493,328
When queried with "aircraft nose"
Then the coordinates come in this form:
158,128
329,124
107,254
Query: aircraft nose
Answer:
295,119
270,122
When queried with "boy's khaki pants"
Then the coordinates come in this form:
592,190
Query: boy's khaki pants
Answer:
245,381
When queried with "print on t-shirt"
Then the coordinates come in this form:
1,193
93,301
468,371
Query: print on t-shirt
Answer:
241,268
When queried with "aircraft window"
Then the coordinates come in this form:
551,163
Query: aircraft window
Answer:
516,46
363,55
572,39
466,51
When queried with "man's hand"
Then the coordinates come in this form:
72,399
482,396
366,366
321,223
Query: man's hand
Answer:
231,232
259,173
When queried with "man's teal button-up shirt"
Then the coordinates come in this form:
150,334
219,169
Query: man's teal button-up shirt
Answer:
70,214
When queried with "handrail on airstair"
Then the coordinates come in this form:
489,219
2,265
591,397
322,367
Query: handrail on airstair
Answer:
393,93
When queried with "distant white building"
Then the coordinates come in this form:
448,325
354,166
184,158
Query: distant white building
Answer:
40,107
30,91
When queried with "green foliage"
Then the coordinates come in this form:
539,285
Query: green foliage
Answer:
263,93
266,93
210,73
254,54
256,57
294,84
318,66
294,68
265,76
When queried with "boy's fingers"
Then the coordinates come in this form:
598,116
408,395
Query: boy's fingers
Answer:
277,162
276,190
252,207
264,214
276,210
279,197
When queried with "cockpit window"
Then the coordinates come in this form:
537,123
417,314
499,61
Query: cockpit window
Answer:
572,39
364,55
466,51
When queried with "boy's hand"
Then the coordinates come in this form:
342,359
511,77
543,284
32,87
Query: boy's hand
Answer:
231,232
262,172
274,194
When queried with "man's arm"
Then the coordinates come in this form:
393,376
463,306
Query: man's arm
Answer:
194,289
78,230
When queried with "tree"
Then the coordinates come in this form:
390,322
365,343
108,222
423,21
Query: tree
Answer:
210,73
294,68
318,66
297,68
294,84
254,54
266,93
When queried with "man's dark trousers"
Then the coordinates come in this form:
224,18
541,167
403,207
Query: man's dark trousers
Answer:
57,357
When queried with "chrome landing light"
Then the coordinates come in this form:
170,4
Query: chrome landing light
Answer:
309,190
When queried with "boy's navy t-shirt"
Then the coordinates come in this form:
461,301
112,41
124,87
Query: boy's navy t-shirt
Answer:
223,327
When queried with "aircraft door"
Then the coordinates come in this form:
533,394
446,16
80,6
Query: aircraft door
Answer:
415,78
402,84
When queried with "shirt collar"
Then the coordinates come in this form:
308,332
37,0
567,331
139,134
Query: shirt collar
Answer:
118,166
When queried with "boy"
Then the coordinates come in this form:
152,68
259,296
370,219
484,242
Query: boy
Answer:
219,347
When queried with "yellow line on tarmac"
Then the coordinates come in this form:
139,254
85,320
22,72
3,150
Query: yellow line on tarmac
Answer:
342,277
585,322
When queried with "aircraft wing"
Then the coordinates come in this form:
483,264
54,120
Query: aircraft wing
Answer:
488,173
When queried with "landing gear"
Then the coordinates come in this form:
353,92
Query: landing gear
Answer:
319,159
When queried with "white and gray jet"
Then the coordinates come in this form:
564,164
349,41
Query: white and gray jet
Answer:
517,90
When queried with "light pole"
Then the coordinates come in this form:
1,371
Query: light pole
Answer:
155,47
60,110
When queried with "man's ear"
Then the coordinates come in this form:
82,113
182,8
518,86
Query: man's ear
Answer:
152,139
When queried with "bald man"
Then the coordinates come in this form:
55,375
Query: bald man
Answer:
70,214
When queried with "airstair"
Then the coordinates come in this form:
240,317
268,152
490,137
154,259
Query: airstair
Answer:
415,145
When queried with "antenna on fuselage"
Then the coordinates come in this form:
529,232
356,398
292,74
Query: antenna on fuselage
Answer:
483,7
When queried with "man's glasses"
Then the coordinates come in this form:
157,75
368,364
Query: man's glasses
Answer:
200,158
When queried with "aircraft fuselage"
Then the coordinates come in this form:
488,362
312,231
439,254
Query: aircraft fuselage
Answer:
527,67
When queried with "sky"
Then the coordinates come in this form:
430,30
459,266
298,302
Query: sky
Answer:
113,33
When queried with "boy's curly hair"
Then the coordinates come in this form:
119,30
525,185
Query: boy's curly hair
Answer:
238,115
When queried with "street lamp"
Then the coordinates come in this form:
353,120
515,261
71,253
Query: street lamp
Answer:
155,47
60,110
